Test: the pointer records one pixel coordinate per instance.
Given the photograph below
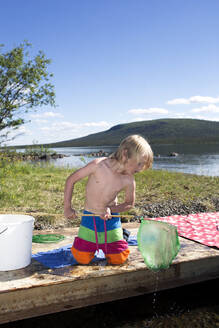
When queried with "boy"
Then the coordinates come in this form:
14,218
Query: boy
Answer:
107,176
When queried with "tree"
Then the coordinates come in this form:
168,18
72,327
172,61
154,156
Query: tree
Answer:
24,85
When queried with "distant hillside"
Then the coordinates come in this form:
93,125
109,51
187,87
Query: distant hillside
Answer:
162,131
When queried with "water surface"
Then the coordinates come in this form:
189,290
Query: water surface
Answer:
195,159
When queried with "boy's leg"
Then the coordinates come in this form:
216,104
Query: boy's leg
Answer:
82,257
118,258
82,249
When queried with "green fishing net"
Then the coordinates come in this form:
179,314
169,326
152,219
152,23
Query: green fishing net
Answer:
158,243
49,238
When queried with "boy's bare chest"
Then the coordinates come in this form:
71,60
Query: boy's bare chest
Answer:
107,177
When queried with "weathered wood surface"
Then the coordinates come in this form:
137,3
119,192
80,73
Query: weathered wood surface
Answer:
37,290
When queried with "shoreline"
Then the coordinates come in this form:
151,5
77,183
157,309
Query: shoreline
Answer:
38,191
153,210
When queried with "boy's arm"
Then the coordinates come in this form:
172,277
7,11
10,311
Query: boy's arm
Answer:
69,186
129,199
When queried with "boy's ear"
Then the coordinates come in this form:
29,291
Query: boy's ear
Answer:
125,154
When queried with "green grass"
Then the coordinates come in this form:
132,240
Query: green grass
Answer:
27,188
32,189
154,186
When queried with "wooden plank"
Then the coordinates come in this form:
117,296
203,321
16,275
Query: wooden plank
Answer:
37,290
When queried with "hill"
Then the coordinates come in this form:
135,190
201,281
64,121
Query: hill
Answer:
161,131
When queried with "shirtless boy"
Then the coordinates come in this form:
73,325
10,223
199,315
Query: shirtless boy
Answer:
107,176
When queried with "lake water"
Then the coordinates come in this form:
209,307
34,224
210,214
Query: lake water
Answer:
196,159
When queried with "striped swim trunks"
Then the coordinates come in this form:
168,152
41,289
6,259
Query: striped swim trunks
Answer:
96,233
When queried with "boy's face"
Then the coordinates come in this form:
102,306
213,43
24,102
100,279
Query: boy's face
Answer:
134,164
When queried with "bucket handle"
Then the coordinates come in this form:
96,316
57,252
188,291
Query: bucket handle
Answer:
3,229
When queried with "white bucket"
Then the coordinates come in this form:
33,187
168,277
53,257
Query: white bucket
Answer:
15,241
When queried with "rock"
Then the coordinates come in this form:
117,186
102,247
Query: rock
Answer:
177,207
173,154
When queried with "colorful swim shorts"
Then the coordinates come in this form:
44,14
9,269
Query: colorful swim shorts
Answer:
96,233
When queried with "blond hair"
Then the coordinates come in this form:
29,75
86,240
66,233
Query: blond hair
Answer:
134,146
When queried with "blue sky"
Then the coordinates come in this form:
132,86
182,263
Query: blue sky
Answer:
118,61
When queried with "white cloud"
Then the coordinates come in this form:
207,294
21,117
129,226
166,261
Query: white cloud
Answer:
214,119
138,119
46,114
59,126
100,124
22,133
178,101
199,117
209,109
181,115
67,130
206,100
152,110
57,131
20,130
194,100
39,121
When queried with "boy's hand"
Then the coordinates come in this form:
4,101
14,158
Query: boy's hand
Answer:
106,215
70,213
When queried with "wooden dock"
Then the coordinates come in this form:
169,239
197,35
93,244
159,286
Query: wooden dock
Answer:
37,290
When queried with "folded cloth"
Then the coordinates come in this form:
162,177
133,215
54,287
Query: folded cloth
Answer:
56,258
200,227
132,241
61,257
126,234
